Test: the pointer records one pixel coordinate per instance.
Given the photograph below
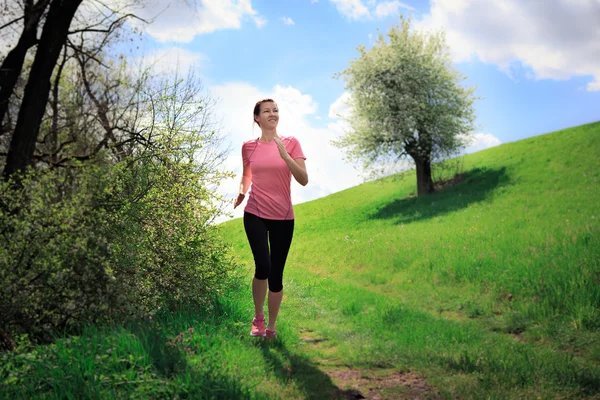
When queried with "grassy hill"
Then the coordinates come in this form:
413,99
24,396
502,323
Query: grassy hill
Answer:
488,288
496,277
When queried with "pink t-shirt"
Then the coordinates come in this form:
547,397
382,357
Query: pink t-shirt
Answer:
270,195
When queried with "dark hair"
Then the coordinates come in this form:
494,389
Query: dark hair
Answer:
257,107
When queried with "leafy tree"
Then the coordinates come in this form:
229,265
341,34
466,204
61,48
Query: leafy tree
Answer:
406,100
110,240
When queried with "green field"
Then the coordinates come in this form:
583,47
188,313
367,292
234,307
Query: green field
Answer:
488,288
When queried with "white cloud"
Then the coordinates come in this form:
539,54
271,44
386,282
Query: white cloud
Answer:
353,9
482,141
357,9
340,107
388,8
555,42
327,171
260,21
181,20
593,86
287,21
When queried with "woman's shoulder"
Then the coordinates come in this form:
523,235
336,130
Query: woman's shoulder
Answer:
290,138
251,142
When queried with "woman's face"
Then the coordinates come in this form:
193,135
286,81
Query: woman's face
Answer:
268,117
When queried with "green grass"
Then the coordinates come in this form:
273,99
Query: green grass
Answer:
488,288
200,354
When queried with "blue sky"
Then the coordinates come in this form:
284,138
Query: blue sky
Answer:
536,65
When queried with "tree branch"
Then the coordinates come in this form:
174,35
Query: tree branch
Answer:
12,22
55,153
62,161
80,50
110,27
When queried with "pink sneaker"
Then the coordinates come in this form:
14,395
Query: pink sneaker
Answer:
270,334
258,325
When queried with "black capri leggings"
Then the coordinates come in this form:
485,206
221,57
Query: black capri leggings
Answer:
278,234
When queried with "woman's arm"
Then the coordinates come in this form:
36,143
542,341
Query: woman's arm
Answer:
298,168
244,185
246,179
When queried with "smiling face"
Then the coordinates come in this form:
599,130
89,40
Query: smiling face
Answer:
268,115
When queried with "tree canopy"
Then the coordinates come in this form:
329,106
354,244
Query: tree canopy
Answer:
406,101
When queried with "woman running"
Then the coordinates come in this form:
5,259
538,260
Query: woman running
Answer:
269,163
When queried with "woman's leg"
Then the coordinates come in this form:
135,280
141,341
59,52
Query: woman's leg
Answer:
259,292
274,303
256,231
280,238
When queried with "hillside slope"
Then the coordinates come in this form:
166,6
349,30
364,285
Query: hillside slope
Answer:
486,289
508,256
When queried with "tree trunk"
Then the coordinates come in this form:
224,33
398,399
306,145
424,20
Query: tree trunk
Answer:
54,36
424,181
13,63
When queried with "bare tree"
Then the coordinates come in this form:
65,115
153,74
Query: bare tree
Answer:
81,31
54,35
12,65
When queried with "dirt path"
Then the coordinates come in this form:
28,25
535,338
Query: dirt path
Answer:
380,384
373,384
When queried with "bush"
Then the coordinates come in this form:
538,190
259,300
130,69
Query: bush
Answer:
104,241
54,258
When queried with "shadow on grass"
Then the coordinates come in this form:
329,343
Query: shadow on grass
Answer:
474,186
288,366
179,379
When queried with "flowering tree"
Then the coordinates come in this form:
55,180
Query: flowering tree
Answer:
406,100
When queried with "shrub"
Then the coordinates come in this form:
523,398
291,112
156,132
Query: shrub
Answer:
105,241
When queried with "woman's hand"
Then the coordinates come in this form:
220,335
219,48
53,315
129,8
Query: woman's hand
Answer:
297,167
239,200
281,147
